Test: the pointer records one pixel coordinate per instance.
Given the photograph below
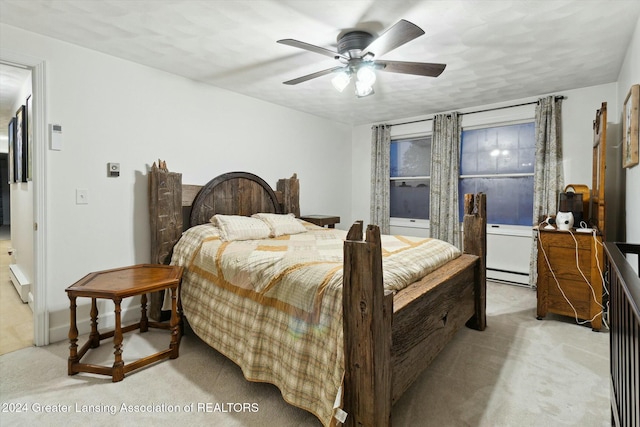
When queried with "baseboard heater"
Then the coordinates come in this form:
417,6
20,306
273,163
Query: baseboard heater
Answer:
512,277
508,254
20,282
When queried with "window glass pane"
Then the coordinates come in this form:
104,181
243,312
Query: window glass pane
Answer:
509,200
411,157
410,199
501,149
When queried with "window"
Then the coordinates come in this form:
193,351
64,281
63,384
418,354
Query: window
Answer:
410,173
499,161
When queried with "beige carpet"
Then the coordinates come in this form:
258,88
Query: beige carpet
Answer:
16,318
519,372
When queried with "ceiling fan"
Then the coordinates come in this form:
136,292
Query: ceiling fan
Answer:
358,52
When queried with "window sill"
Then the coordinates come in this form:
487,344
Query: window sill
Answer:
510,230
409,223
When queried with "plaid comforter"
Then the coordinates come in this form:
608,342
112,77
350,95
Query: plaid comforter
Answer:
274,306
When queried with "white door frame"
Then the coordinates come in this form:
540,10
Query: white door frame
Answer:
39,105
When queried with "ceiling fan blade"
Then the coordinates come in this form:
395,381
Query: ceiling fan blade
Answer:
312,48
399,34
417,68
313,76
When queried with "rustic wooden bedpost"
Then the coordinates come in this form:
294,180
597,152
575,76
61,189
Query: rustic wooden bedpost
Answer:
475,243
368,312
355,232
165,217
290,190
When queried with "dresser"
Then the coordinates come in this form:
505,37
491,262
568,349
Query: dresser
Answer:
565,281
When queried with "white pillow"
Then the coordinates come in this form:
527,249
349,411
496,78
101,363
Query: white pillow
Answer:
281,224
237,227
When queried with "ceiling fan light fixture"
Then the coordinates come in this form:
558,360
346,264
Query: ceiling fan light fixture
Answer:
358,53
341,80
366,75
363,89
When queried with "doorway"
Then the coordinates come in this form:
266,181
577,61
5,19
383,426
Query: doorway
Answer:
32,194
16,207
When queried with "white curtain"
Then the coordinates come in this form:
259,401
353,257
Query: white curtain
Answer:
380,176
444,218
548,176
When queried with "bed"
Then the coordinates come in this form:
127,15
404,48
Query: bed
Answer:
354,350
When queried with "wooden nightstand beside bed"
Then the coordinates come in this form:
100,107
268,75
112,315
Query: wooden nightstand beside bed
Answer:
322,220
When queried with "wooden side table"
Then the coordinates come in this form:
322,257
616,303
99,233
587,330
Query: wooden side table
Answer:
565,287
117,284
322,220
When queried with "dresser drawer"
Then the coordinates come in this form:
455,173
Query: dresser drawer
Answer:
562,260
577,292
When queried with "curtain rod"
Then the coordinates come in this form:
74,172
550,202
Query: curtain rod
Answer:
478,111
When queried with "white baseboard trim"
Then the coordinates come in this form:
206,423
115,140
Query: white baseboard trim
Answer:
20,282
106,323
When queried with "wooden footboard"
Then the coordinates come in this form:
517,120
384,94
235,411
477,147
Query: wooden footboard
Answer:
624,323
425,320
390,340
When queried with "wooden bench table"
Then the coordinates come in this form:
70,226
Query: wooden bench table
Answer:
117,284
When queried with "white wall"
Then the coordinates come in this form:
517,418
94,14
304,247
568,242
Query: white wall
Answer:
630,75
113,110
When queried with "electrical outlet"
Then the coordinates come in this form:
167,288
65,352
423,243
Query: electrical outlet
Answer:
82,196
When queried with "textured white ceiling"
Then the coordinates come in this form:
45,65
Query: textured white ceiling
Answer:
495,50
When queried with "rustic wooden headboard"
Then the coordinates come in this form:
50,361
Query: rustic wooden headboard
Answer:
174,207
232,193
